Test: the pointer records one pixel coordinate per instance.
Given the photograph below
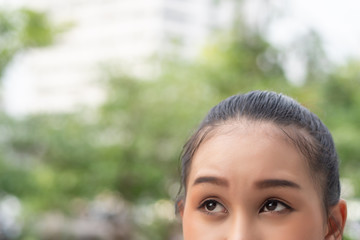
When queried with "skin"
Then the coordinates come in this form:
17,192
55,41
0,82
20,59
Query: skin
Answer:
247,182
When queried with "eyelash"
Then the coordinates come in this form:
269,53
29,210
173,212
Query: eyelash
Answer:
287,208
203,204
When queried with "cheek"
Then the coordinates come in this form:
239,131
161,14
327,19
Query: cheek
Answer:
297,227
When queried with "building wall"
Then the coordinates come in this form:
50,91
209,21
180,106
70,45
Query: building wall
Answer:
63,77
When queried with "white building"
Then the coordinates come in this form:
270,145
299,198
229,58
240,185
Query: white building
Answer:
63,76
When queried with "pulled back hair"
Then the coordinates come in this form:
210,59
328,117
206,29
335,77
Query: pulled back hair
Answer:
303,129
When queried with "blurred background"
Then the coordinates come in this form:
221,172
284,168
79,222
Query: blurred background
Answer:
98,97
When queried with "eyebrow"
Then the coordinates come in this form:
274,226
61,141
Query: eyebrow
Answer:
272,183
267,183
211,180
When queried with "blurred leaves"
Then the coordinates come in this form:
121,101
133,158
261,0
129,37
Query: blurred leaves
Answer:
22,29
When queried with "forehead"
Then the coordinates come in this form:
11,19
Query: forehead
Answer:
248,151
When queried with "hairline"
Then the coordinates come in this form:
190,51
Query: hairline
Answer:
292,133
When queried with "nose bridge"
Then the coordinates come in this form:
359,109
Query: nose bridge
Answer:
241,227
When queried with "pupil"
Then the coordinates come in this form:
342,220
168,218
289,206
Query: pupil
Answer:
211,205
271,206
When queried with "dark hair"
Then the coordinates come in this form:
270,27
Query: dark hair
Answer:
303,128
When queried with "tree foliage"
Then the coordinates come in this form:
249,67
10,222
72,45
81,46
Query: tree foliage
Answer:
23,29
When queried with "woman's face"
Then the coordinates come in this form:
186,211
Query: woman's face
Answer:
247,182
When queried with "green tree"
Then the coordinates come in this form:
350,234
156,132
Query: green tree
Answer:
22,29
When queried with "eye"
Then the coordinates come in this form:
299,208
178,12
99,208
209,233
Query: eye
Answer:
212,206
273,205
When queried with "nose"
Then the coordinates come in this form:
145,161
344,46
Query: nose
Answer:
241,229
236,234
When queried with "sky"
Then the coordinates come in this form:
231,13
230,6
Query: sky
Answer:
337,22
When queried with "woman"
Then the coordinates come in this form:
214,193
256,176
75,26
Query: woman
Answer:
261,166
